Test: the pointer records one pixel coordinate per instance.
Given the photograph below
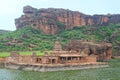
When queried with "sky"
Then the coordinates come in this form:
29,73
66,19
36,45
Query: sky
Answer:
12,9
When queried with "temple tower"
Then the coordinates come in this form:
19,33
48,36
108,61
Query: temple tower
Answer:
57,46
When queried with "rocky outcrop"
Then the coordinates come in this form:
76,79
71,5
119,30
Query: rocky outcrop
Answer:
52,21
103,51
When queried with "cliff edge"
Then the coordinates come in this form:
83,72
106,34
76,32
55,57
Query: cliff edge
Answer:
53,20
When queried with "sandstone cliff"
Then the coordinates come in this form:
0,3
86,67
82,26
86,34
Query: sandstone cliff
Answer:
52,21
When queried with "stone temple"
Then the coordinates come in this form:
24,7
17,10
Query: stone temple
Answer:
74,54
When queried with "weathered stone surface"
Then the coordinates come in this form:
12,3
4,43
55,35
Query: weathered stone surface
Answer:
103,51
48,67
1,64
52,21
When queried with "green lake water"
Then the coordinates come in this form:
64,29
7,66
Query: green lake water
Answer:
110,73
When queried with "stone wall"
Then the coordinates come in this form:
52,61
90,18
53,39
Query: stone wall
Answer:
91,59
45,68
1,64
15,57
2,60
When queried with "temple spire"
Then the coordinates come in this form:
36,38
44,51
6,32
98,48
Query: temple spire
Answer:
57,46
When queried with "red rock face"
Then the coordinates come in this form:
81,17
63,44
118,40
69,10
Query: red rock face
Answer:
52,21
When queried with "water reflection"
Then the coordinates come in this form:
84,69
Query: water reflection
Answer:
111,73
7,74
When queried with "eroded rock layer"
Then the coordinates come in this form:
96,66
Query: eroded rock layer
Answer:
52,21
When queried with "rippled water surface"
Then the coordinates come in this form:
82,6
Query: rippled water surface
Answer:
111,73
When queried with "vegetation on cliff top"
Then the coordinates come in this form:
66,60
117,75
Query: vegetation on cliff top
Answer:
31,39
3,31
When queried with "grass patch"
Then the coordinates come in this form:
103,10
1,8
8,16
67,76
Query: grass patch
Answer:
6,54
39,53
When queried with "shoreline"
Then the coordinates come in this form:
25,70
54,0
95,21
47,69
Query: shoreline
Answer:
2,61
52,67
116,57
2,64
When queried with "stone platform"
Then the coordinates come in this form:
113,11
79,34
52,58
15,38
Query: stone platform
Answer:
54,67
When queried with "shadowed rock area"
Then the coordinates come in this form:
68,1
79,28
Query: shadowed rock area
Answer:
103,51
54,20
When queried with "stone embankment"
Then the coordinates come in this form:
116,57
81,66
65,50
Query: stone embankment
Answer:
1,64
54,67
2,60
117,57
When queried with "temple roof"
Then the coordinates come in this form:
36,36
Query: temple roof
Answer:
70,55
